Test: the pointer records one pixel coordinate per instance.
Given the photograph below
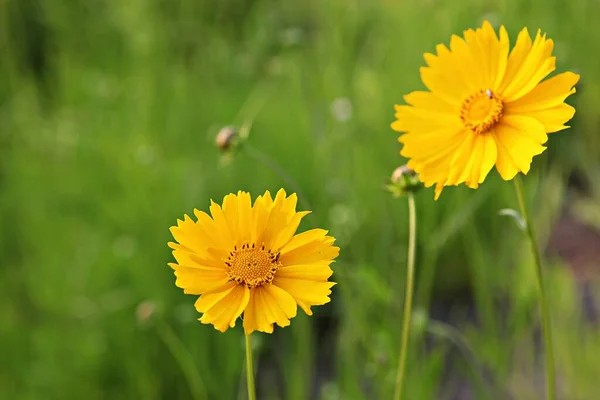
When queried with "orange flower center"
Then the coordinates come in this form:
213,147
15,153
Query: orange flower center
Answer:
481,111
252,266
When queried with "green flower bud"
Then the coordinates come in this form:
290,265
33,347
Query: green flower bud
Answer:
403,181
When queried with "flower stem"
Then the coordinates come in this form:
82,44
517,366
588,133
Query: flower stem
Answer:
412,234
250,370
274,167
550,369
449,332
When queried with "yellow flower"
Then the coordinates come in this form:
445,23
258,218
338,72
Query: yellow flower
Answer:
484,107
247,259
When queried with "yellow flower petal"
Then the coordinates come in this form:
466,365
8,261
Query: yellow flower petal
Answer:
193,233
434,60
230,213
280,215
304,238
435,167
253,319
424,146
550,93
226,311
280,303
438,190
504,163
519,139
526,127
197,281
238,213
461,164
190,259
462,68
285,234
476,61
313,272
209,232
553,118
261,211
220,222
249,316
489,155
417,119
317,251
245,216
516,59
306,293
483,160
448,90
269,305
206,301
492,55
429,101
537,65
473,161
503,47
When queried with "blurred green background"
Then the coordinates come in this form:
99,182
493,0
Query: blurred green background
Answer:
108,113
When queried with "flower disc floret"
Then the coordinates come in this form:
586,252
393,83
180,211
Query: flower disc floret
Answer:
252,266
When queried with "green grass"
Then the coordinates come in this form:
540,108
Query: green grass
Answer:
113,141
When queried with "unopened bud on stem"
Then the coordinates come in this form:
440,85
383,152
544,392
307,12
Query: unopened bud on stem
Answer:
404,180
226,138
145,311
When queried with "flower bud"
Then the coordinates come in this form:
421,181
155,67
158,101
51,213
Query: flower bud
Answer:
145,311
226,138
404,180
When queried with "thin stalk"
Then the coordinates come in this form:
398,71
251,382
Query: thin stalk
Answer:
451,333
545,311
184,359
410,272
273,166
250,370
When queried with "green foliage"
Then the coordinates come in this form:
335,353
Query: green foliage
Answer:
108,112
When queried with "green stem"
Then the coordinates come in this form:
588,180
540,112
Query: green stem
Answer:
273,166
184,359
452,334
250,370
412,234
550,369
